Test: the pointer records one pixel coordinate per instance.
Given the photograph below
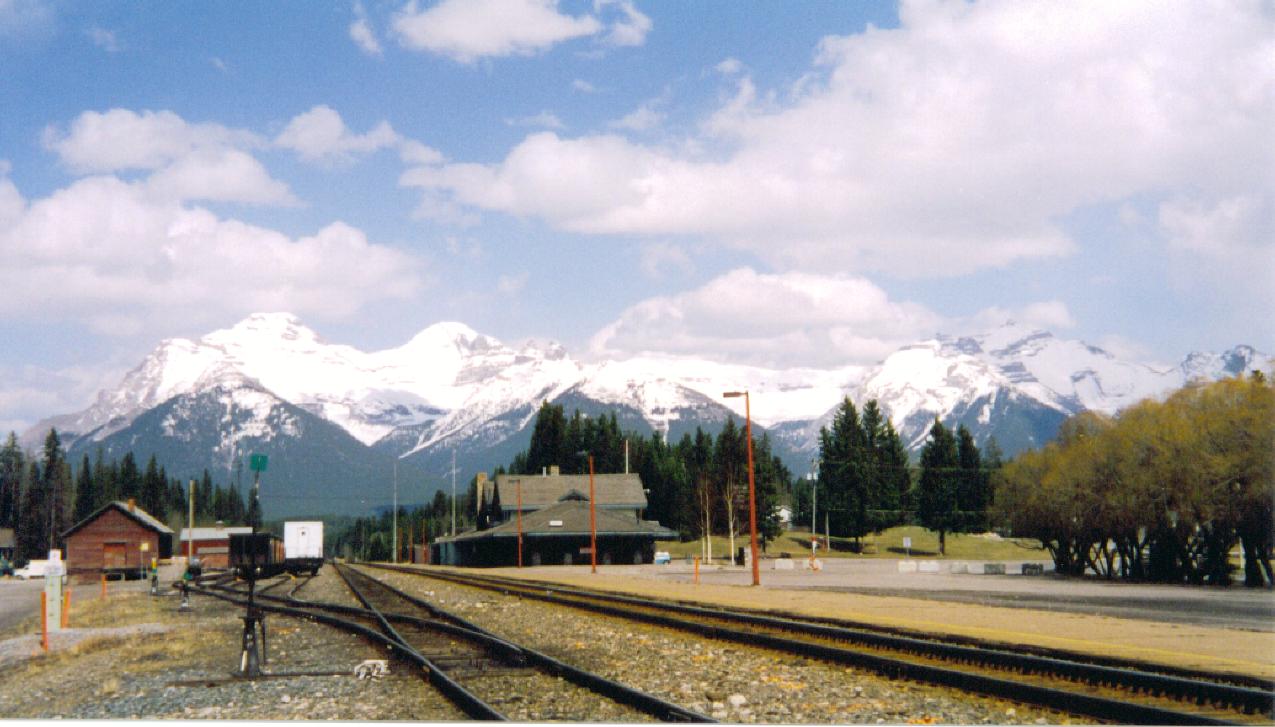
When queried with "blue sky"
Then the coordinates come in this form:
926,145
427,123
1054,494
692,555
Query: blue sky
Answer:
682,178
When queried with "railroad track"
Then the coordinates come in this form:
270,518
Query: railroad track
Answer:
547,689
1119,693
476,670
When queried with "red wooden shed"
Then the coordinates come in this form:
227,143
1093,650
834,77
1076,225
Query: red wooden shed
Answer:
120,538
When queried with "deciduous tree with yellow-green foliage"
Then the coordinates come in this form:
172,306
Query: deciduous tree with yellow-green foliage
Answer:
1163,491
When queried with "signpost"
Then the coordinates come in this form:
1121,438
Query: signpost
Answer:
907,547
53,574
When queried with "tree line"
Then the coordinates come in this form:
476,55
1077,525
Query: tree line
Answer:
1163,491
43,495
866,482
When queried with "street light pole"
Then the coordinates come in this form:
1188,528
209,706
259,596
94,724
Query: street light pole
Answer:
752,490
593,523
394,556
453,492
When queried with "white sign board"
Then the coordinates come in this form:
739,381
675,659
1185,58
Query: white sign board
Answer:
907,542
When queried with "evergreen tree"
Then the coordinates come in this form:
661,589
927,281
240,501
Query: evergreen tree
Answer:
152,494
11,468
130,479
936,499
32,527
547,437
57,485
85,491
896,470
204,500
105,487
971,495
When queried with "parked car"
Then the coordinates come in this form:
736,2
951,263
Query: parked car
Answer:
662,557
33,569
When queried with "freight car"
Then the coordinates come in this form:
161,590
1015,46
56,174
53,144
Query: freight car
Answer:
303,547
256,555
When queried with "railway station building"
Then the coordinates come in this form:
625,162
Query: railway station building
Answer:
119,538
555,523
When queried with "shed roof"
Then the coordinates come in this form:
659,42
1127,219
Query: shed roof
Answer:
574,518
213,533
541,491
139,515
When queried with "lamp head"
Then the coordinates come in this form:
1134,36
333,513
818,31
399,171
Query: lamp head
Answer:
732,394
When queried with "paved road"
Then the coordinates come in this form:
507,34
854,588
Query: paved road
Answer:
1235,607
18,600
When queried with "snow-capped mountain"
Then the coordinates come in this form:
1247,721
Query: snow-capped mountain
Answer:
269,381
1015,383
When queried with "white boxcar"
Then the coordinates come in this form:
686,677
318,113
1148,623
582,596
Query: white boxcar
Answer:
303,546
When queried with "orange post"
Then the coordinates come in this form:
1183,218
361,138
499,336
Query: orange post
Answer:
103,596
44,620
66,607
697,570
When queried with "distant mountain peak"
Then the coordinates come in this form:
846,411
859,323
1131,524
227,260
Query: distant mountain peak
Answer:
278,326
451,335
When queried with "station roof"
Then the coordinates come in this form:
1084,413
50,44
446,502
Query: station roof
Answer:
541,491
142,517
571,518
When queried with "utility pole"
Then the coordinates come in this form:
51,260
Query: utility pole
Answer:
394,557
453,492
190,518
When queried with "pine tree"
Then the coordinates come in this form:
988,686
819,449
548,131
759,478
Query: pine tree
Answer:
204,492
57,486
105,487
85,491
152,494
130,479
546,447
971,495
937,491
32,527
11,468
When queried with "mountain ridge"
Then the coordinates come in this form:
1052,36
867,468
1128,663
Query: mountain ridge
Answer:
450,386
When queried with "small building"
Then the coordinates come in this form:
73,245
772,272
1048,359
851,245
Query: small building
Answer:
558,534
119,538
211,546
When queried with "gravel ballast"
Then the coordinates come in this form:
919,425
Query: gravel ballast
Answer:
178,666
729,682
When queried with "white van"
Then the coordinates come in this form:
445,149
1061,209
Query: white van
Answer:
33,569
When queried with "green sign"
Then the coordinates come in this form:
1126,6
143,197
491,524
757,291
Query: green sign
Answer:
257,463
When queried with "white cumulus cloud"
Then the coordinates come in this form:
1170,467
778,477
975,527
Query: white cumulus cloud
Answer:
782,319
187,161
467,30
123,257
320,134
953,143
